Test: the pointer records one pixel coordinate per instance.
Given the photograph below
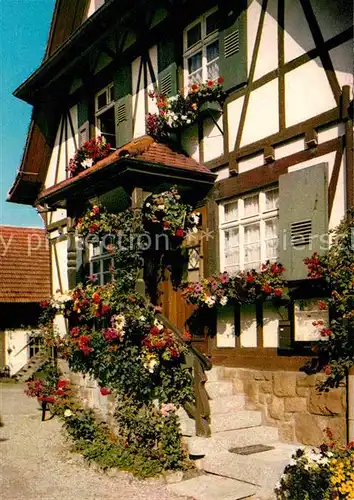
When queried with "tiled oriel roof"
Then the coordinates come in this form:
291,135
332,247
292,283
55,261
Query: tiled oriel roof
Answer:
24,264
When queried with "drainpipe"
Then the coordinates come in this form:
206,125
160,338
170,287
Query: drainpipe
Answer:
350,401
347,117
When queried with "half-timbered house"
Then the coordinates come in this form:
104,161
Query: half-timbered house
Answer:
275,162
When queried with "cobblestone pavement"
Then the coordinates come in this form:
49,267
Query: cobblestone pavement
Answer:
36,463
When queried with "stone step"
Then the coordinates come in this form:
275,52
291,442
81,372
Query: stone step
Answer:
225,422
219,389
227,404
215,374
223,441
261,469
209,487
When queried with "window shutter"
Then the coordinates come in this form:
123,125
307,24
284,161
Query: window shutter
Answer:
82,112
303,217
167,68
123,105
233,43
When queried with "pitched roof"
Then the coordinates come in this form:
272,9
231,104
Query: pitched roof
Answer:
25,267
144,149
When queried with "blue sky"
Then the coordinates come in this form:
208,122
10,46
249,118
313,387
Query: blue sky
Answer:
23,37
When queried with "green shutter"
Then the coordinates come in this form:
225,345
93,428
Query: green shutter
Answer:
123,105
82,111
124,120
167,67
303,218
233,43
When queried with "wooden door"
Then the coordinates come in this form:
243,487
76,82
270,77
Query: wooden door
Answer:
174,306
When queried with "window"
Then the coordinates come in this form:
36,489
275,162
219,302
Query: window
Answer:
201,48
101,261
104,115
249,233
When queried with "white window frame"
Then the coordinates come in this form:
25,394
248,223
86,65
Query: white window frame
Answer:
99,257
240,222
99,111
198,46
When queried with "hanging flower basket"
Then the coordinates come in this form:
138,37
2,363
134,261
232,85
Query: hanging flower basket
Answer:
90,153
180,111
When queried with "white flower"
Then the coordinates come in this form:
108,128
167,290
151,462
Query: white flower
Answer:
188,121
142,318
119,322
161,207
150,363
292,462
195,218
148,204
67,413
87,163
158,325
223,301
210,301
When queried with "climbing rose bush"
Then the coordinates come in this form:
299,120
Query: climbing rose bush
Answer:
335,271
164,213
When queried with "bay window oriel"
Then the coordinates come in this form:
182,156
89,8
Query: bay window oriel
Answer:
249,231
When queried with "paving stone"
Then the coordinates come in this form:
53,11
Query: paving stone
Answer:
209,487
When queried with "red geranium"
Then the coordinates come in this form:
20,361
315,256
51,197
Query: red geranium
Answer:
105,391
179,233
220,80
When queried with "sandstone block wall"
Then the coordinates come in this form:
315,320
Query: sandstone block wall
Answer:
291,401
89,393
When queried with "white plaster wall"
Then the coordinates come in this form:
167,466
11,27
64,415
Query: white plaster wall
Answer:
297,36
270,325
339,204
262,114
60,325
234,109
213,139
267,59
61,247
307,92
331,132
223,173
333,17
248,326
152,108
250,163
253,15
57,215
225,336
305,315
50,177
66,145
342,59
138,99
289,148
15,341
190,142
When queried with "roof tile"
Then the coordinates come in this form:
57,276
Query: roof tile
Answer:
25,266
144,149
